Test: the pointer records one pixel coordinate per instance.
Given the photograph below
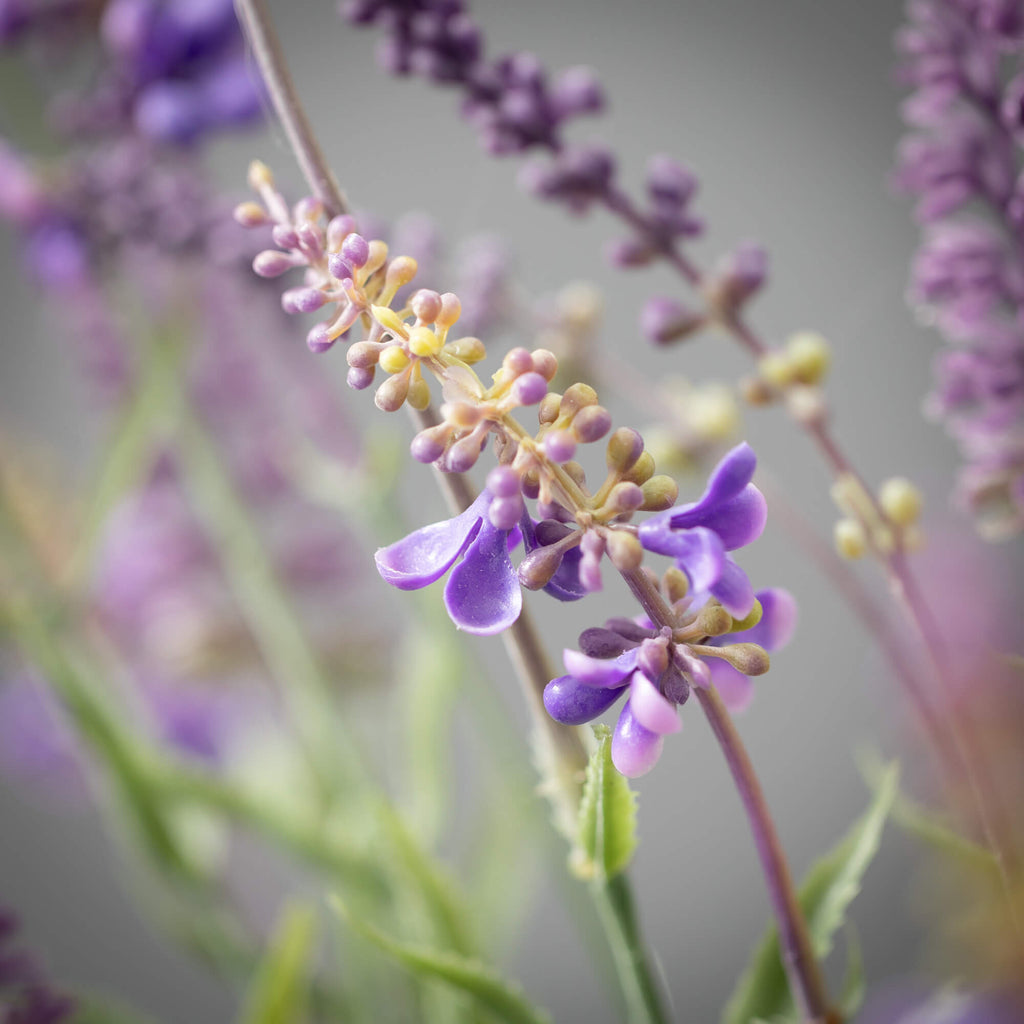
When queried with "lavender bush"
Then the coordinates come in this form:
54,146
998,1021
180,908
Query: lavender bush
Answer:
199,647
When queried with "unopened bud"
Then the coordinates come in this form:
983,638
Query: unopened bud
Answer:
547,411
714,620
624,447
624,550
809,356
660,493
451,310
426,304
625,497
545,363
250,215
271,263
260,176
537,568
394,359
806,405
391,395
642,470
577,397
469,350
776,369
851,540
900,501
576,473
591,424
419,394
750,620
750,659
675,585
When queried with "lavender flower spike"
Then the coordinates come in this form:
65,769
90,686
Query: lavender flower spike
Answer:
730,514
482,594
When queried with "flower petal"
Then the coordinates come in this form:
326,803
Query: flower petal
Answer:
428,553
778,620
650,708
635,750
600,671
565,584
482,594
738,521
735,689
698,552
730,476
733,589
572,703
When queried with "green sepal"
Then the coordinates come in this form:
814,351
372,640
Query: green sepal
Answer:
825,895
502,998
606,830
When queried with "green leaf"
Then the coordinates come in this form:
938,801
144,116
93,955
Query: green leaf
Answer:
606,836
279,992
825,895
502,998
854,984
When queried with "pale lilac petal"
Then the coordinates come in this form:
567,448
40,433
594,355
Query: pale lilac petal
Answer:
428,553
600,671
737,522
572,703
778,620
733,589
635,750
650,708
482,594
735,689
699,552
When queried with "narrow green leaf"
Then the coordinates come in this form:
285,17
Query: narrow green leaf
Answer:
279,992
502,998
854,984
825,895
606,836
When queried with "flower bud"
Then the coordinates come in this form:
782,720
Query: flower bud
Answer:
360,377
531,484
250,215
401,270
429,444
391,395
271,263
625,446
850,538
356,251
559,446
750,659
518,361
419,393
577,397
424,342
809,356
451,310
426,304
260,176
675,585
750,620
591,423
363,353
463,454
642,470
319,338
529,389
624,550
660,493
625,497
545,363
505,512
547,411
537,568
469,350
714,620
394,359
576,473
900,501
776,369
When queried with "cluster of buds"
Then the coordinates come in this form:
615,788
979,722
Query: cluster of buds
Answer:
793,374
885,524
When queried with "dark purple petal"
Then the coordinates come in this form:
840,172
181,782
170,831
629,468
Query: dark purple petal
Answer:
635,750
572,703
483,595
737,521
733,589
428,553
730,476
602,643
778,620
650,708
699,552
565,584
600,672
735,689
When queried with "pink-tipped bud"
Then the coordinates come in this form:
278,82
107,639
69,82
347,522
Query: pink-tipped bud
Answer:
319,338
271,263
624,498
463,454
355,250
577,397
518,361
429,445
591,424
503,482
529,389
302,300
560,446
426,305
545,363
250,215
625,446
285,236
339,267
337,230
451,310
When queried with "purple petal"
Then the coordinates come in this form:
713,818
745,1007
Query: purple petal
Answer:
735,689
730,476
733,589
635,750
572,703
738,521
565,584
778,620
600,672
698,552
650,708
428,553
483,594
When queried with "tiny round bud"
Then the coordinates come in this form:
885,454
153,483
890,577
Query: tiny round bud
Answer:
776,369
675,585
547,412
537,568
624,498
463,454
806,404
591,424
308,208
577,397
250,215
469,350
642,470
531,484
900,500
504,513
356,250
394,359
714,620
518,361
271,263
339,267
338,229
363,353
285,236
391,395
529,389
401,270
545,363
426,304
503,482
377,258
625,446
750,620
560,446
302,300
360,377
750,659
809,356
850,538
419,393
424,342
260,176
659,493
624,550
319,339
451,310
428,445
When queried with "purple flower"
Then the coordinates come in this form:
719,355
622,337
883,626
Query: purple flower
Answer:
482,594
655,673
730,514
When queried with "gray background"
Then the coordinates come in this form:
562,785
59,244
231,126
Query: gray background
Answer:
787,110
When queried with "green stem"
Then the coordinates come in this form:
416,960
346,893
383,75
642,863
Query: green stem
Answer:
614,902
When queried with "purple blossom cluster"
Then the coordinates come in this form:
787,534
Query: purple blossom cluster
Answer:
963,61
25,994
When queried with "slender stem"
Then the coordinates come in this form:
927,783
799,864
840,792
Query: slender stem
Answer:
801,965
615,906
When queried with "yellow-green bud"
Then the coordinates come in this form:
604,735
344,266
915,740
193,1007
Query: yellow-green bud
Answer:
642,470
624,550
392,393
423,342
389,320
660,493
393,359
260,175
900,500
624,447
419,394
851,540
401,270
750,659
577,397
576,472
752,618
809,356
469,350
776,369
714,620
377,257
675,585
